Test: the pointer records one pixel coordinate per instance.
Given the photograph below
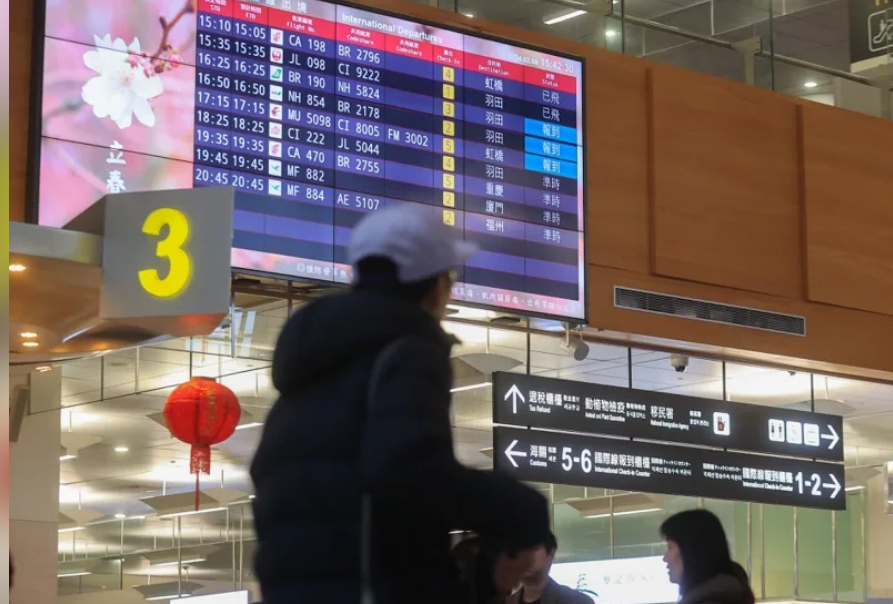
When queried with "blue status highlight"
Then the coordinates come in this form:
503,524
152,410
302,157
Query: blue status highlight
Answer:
539,146
553,132
553,167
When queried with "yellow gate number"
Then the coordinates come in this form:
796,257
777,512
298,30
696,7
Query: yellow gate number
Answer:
170,249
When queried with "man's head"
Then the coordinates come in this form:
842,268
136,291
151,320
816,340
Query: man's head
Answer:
407,252
543,560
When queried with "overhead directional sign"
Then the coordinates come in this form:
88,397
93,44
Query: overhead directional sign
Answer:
553,458
871,29
536,402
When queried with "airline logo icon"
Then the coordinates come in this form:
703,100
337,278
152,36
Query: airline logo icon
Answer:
277,93
275,130
275,149
275,112
277,37
277,55
275,188
277,74
275,167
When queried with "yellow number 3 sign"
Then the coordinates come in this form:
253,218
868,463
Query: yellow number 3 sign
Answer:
169,249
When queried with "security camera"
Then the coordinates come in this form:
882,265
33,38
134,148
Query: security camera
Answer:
680,362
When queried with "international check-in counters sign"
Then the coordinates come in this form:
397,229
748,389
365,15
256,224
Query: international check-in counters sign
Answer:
700,464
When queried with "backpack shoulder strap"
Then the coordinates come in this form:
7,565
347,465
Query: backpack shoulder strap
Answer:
381,362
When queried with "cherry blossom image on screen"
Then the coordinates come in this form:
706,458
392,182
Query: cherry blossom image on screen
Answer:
119,82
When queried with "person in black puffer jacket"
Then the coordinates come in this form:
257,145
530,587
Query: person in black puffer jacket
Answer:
328,445
699,561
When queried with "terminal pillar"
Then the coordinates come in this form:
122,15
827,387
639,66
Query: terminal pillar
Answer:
879,540
34,493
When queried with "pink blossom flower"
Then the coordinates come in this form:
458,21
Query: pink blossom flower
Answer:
123,87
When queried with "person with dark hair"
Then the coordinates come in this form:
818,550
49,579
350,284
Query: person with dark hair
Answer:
357,483
699,561
538,587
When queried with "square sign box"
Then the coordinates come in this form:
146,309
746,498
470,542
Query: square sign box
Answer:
165,254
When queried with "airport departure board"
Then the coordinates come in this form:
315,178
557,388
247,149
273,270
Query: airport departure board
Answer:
318,114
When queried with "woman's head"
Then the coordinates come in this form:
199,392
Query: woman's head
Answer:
697,549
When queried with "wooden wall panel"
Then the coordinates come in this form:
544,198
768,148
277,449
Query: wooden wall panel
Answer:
20,22
726,172
849,209
617,133
837,337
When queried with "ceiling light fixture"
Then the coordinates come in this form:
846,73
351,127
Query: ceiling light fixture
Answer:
68,457
28,335
177,562
122,450
630,513
120,516
181,514
43,369
854,489
249,426
565,17
76,529
811,84
469,15
17,268
30,344
80,574
472,387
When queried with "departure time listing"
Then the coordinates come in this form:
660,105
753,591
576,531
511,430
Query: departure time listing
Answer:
319,114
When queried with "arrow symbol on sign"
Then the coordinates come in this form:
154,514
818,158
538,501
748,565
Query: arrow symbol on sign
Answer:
835,487
512,454
515,395
834,437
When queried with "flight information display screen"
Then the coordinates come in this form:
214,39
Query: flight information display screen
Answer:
318,114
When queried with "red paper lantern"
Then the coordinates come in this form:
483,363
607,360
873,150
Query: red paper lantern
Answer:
202,413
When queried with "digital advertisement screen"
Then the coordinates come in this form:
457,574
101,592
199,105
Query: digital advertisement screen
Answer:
318,114
629,581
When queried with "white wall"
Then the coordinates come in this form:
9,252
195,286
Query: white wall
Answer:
879,527
34,497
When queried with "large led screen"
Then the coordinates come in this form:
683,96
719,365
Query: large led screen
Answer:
318,114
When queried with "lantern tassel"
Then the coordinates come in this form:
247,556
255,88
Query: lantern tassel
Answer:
199,463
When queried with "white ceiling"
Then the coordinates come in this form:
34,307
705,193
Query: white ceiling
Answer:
109,483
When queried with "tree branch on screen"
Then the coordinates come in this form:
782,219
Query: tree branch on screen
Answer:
166,27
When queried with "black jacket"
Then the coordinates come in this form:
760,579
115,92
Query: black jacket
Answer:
324,446
555,594
722,589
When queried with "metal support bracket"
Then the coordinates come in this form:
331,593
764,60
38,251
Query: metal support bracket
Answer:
884,84
749,49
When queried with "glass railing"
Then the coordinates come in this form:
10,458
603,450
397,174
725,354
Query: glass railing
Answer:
799,48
